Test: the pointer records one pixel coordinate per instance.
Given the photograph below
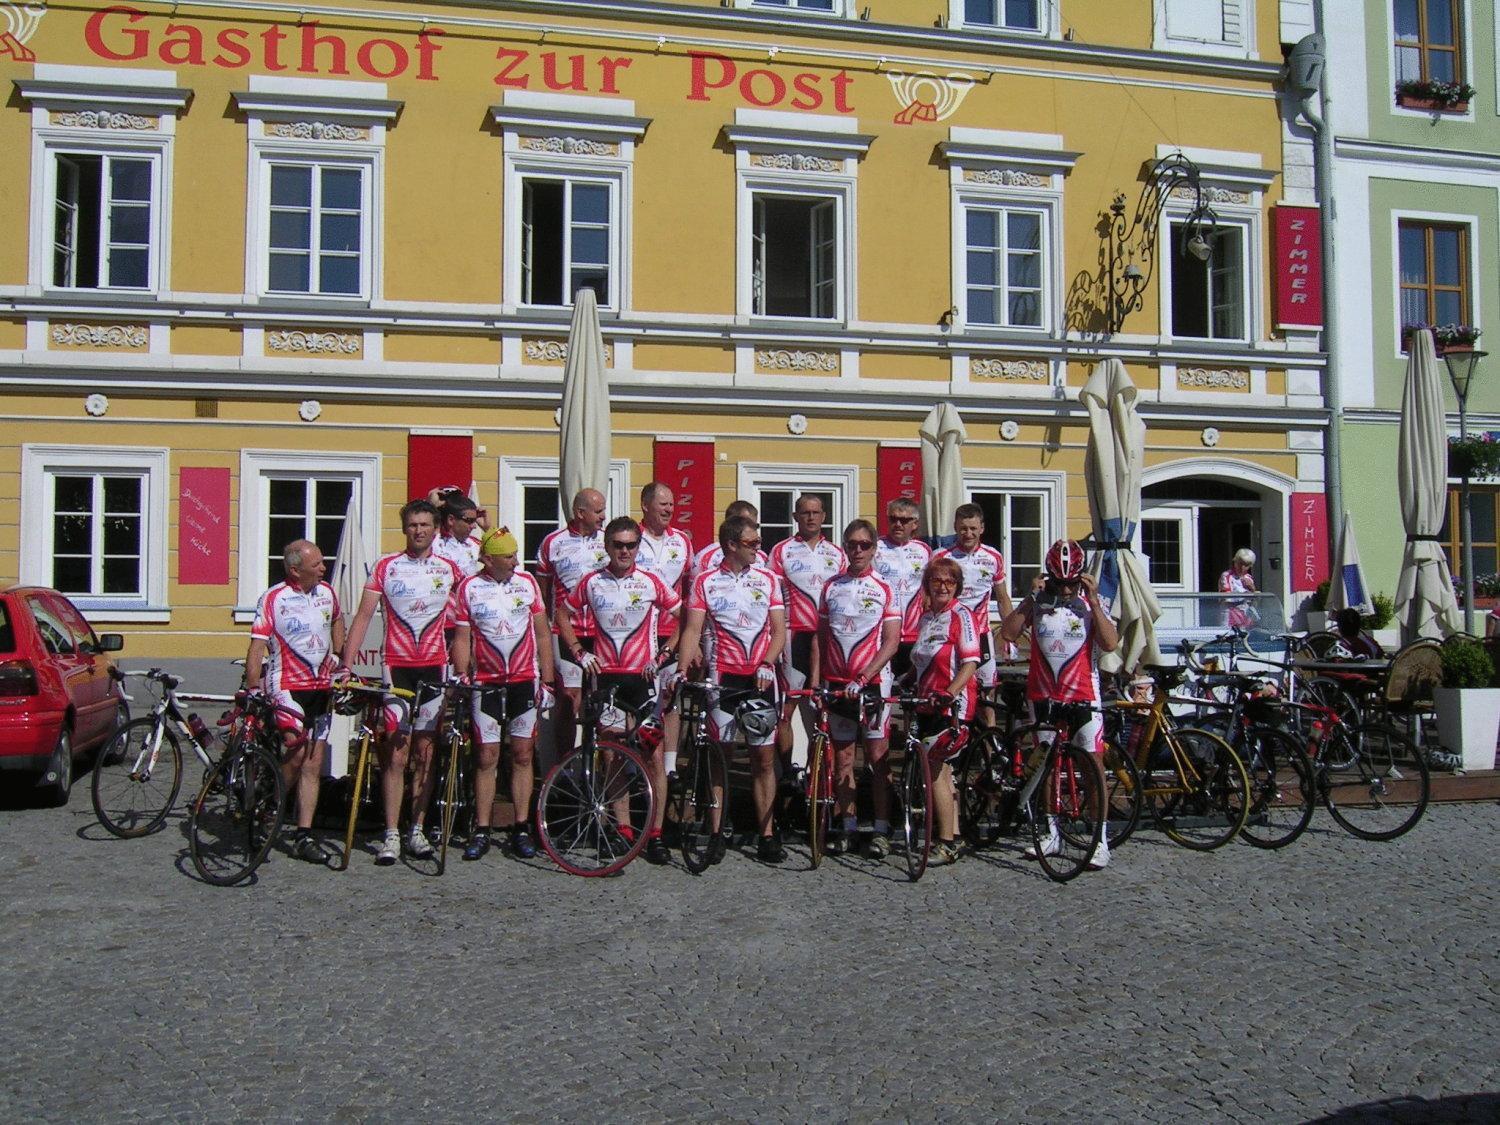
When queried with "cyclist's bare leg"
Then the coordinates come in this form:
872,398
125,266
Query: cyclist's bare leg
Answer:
718,782
656,766
394,753
843,781
485,768
421,770
763,785
522,751
944,804
565,719
877,754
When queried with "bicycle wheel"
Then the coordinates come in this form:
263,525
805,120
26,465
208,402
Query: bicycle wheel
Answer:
356,794
237,815
697,807
916,812
1068,813
1323,692
819,796
449,797
1374,781
1207,804
1122,794
594,809
137,776
1281,787
980,792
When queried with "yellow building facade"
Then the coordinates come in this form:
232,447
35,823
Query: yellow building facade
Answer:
261,261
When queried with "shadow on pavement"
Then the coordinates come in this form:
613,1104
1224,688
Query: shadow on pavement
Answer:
1413,1109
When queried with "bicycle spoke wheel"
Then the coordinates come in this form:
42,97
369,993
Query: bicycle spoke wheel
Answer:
916,813
819,796
1122,794
1069,804
594,809
1211,796
137,776
237,815
1281,788
699,799
1374,780
448,799
978,776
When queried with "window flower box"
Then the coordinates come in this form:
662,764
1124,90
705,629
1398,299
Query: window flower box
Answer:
1435,97
1446,337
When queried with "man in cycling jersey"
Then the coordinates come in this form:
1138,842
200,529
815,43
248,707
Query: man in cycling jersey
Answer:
459,532
667,552
503,636
859,628
1069,624
564,557
710,556
414,589
900,559
984,581
736,623
297,629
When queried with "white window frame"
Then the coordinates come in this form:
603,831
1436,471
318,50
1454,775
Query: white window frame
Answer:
841,480
255,466
1051,488
1444,218
516,474
1046,19
1249,280
1049,208
757,188
100,111
267,160
39,463
1240,46
841,9
518,171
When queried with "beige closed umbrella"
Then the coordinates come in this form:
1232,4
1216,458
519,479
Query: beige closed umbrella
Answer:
1112,468
1347,588
1425,605
943,435
584,441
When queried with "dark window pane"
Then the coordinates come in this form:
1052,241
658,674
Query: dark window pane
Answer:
72,535
1021,13
73,494
71,575
1413,255
341,188
542,215
1442,66
979,11
128,267
130,179
291,187
122,576
291,273
981,306
1448,308
984,268
1025,310
339,232
1445,256
285,497
1026,270
1482,509
1406,19
122,494
983,228
590,203
1024,231
590,245
1440,22
331,497
291,230
130,224
122,535
339,274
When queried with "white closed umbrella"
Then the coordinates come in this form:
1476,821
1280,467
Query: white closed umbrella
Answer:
942,434
1347,587
352,566
1112,468
1425,605
585,437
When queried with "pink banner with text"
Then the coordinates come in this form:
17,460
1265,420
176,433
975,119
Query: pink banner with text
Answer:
203,527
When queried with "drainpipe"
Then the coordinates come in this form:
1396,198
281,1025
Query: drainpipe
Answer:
1304,72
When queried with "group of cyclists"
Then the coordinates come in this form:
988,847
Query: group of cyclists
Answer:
625,605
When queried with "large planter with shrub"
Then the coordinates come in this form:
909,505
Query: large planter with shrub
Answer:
1468,704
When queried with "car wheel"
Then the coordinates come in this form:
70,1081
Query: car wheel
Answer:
57,782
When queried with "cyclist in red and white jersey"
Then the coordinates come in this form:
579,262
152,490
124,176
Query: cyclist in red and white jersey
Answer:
984,580
859,628
297,629
710,556
1069,623
900,559
736,625
944,660
625,604
414,589
460,526
803,562
667,552
502,635
564,557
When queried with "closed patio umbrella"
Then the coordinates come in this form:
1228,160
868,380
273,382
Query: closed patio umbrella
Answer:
1425,606
1112,469
585,437
942,433
352,566
1346,582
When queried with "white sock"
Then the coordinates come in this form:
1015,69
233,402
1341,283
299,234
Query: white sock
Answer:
669,760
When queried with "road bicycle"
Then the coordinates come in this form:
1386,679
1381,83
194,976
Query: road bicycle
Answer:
698,785
381,710
453,784
237,815
138,772
1189,780
597,803
1030,776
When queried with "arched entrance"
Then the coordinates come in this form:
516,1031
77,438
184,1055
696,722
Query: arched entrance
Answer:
1194,516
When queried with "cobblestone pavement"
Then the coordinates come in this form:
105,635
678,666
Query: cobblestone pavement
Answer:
1337,978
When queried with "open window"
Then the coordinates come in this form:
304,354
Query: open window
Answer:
796,256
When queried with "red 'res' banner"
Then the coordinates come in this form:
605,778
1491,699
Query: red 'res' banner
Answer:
1298,249
435,460
687,468
1307,540
203,527
898,474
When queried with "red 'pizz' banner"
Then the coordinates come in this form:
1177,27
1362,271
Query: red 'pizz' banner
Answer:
687,468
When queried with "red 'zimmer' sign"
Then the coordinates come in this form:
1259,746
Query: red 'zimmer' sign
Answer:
1307,540
1299,267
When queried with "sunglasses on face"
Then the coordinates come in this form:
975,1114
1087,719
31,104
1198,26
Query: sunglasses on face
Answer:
624,544
858,545
753,544
903,519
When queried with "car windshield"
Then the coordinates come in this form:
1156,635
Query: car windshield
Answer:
7,631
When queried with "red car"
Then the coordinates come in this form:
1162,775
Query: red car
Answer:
57,700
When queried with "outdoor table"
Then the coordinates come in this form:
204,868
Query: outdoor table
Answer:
1351,667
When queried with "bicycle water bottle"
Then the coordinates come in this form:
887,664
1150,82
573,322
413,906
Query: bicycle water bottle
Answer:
201,734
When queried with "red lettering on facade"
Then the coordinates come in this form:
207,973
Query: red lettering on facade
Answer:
506,76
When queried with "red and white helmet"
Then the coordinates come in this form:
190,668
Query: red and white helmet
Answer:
1065,560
